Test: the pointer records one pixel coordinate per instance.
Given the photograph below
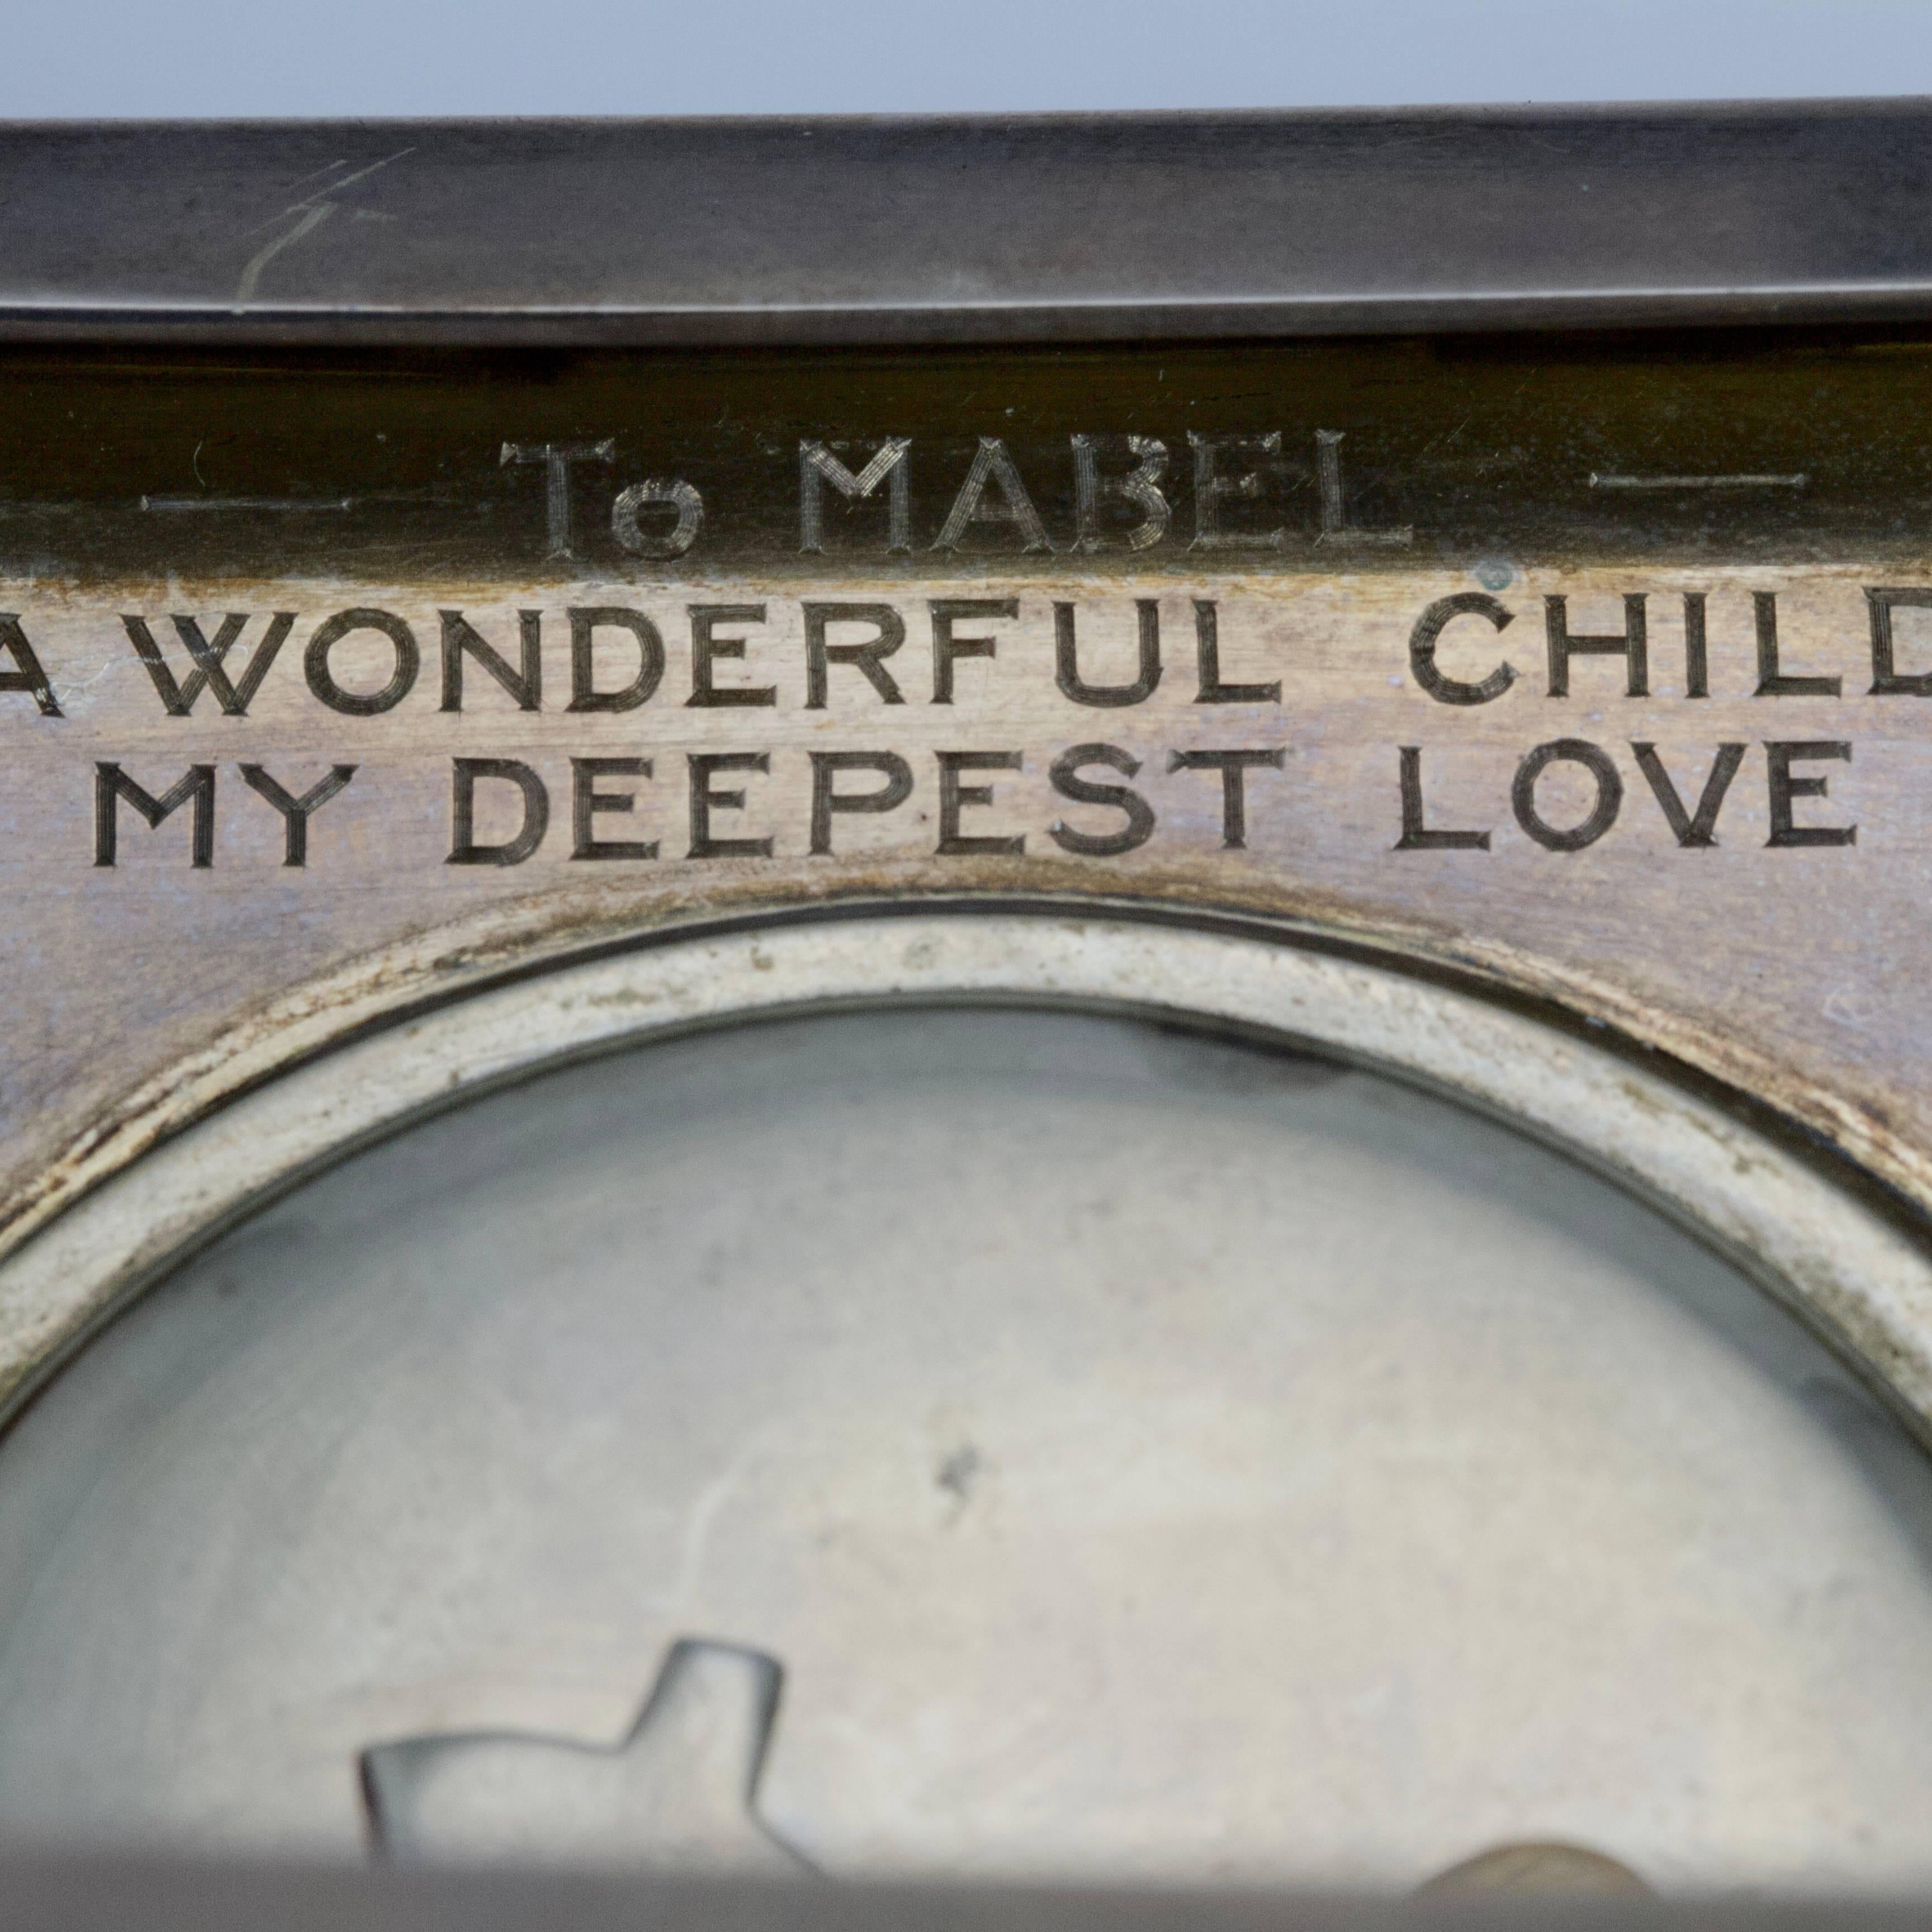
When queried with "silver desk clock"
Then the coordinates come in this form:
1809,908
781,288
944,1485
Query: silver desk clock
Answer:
1033,1000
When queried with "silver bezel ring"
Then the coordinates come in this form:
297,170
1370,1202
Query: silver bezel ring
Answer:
1855,1275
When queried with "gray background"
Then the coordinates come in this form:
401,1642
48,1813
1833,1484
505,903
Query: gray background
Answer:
172,58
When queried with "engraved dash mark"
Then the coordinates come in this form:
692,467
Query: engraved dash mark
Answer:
247,503
1733,480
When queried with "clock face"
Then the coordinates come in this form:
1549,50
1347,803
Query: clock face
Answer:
981,1441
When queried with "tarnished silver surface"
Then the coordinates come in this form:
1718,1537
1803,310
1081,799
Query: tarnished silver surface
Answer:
1362,758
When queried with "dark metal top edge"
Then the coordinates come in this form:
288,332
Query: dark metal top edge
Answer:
1007,325
882,230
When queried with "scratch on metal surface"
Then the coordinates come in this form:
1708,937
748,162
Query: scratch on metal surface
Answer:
300,180
70,689
312,211
251,275
711,1498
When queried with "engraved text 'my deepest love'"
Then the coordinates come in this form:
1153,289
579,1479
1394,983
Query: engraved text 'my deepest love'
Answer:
1222,708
